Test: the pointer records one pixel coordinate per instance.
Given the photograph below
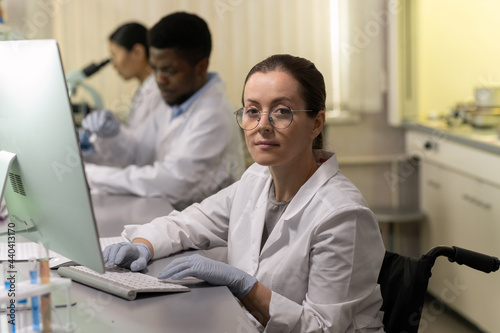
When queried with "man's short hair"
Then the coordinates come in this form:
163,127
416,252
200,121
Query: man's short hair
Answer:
187,33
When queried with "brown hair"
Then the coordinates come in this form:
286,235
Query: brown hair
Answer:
310,79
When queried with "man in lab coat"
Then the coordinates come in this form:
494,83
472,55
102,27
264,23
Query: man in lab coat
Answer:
198,148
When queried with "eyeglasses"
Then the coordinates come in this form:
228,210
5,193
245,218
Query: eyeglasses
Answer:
280,117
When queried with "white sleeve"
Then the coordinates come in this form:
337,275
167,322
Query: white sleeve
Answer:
197,164
200,226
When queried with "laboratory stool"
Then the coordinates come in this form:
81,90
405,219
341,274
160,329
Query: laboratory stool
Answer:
394,216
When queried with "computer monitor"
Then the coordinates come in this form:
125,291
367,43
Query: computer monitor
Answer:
46,190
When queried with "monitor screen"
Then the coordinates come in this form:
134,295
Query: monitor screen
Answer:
46,190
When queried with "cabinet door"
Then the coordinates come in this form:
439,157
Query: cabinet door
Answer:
486,287
435,231
466,215
431,194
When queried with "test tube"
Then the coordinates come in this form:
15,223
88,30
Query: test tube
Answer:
21,323
35,305
5,268
45,299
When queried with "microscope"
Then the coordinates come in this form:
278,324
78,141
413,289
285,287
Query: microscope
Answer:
75,79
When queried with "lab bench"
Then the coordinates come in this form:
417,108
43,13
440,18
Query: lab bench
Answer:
205,308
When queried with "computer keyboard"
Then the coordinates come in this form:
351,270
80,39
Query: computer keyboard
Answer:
120,282
23,251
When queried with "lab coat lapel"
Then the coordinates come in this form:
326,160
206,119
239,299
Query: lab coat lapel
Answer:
247,226
258,220
299,202
170,128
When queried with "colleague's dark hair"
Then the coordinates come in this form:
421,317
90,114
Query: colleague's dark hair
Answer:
310,79
129,34
187,33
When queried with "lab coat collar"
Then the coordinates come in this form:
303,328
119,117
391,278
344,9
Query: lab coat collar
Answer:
328,168
177,110
150,81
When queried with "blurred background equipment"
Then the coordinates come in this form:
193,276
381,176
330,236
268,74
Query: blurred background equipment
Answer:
75,79
6,31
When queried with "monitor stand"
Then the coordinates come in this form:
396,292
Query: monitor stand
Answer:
6,159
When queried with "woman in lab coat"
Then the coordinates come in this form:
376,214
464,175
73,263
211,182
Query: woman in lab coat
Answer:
129,49
304,250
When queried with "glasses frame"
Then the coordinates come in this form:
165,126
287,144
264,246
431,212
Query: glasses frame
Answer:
269,117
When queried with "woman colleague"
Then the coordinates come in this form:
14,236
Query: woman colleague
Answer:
129,49
304,250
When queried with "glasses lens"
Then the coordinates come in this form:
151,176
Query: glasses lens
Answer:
281,116
248,118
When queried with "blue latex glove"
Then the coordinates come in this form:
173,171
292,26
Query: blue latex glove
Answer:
211,271
127,255
102,122
85,145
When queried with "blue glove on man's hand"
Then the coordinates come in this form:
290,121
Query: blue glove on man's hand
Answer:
211,271
127,255
86,147
102,122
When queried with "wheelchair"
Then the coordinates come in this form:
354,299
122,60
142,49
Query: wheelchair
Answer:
403,283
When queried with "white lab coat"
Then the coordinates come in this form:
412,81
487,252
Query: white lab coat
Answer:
196,154
321,260
135,143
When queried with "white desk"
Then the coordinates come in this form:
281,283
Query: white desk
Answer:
112,212
204,309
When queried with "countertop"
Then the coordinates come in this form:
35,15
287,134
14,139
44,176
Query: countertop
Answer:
481,138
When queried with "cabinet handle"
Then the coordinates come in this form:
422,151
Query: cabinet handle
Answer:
428,145
486,205
477,202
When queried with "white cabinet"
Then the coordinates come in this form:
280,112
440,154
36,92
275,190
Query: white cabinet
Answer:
460,195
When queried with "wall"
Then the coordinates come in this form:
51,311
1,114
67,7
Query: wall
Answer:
371,154
243,32
458,50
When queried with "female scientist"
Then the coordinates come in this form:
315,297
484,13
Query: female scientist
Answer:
129,49
304,251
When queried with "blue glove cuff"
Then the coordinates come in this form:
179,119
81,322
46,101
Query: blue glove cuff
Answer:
85,145
246,285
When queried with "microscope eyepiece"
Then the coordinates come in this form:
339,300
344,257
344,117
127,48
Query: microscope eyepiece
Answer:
92,68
